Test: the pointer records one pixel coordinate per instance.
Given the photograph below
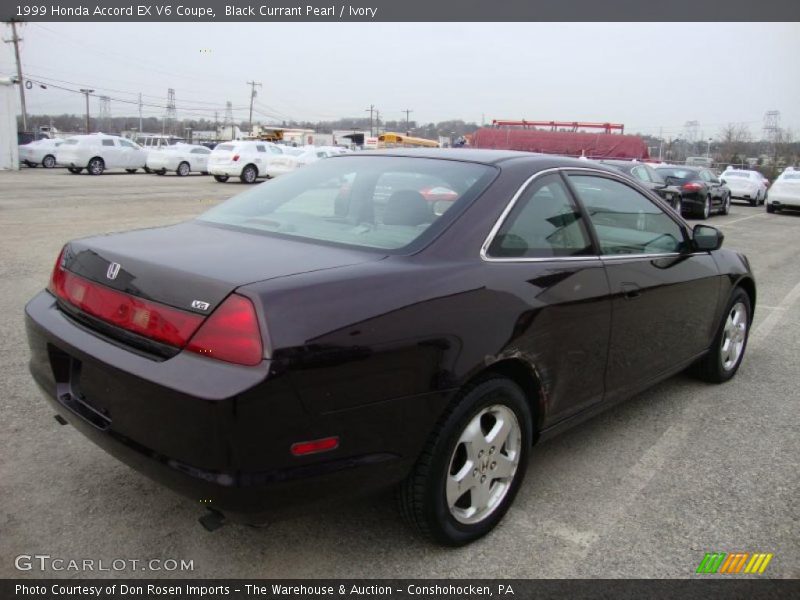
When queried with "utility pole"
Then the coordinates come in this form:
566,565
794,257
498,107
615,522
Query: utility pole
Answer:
86,93
408,111
377,122
252,85
15,39
370,110
140,112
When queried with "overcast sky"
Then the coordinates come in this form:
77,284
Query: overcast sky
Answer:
647,76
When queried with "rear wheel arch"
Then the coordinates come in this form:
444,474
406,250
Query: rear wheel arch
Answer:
525,376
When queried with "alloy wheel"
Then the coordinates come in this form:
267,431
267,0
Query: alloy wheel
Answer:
483,464
733,336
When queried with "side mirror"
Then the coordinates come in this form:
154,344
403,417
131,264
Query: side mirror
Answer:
705,237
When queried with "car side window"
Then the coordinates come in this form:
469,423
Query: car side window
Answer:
108,142
275,150
544,223
706,176
261,148
626,221
200,151
640,173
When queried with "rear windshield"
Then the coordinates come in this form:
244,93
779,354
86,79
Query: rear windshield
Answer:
676,173
379,202
790,176
736,174
225,147
71,142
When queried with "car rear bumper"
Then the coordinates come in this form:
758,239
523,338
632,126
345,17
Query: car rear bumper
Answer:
233,170
215,432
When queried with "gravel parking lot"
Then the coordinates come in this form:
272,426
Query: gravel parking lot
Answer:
643,490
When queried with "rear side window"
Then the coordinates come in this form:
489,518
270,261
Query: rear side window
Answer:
108,142
261,148
200,151
275,150
544,223
71,142
625,221
228,147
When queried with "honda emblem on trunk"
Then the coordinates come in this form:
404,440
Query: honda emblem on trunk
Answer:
113,270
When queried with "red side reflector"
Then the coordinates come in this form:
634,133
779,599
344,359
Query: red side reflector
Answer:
231,333
315,446
149,319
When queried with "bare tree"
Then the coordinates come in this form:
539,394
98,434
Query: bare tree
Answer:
734,138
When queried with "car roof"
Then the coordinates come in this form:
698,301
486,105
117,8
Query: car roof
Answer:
485,156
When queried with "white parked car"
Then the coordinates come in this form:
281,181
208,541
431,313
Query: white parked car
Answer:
97,152
40,152
745,185
785,191
180,158
295,158
247,160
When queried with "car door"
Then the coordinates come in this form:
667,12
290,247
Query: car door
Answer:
200,159
110,152
714,185
541,253
664,296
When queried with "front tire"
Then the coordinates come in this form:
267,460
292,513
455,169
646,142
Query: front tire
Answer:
472,466
221,178
96,166
183,169
249,174
49,161
727,351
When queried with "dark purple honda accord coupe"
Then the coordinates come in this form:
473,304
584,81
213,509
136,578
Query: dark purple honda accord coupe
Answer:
415,320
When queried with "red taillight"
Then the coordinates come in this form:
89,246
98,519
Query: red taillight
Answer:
149,319
235,157
231,333
691,186
314,446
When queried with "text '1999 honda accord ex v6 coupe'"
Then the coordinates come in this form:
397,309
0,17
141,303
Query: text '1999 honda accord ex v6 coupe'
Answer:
344,329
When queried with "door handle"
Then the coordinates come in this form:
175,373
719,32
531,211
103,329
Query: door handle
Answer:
630,291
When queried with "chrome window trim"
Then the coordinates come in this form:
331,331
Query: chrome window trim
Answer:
599,257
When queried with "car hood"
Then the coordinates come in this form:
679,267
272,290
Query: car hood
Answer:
194,262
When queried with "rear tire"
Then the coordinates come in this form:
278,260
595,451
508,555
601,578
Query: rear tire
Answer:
455,493
249,174
49,161
705,211
183,169
96,166
221,178
726,206
727,351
